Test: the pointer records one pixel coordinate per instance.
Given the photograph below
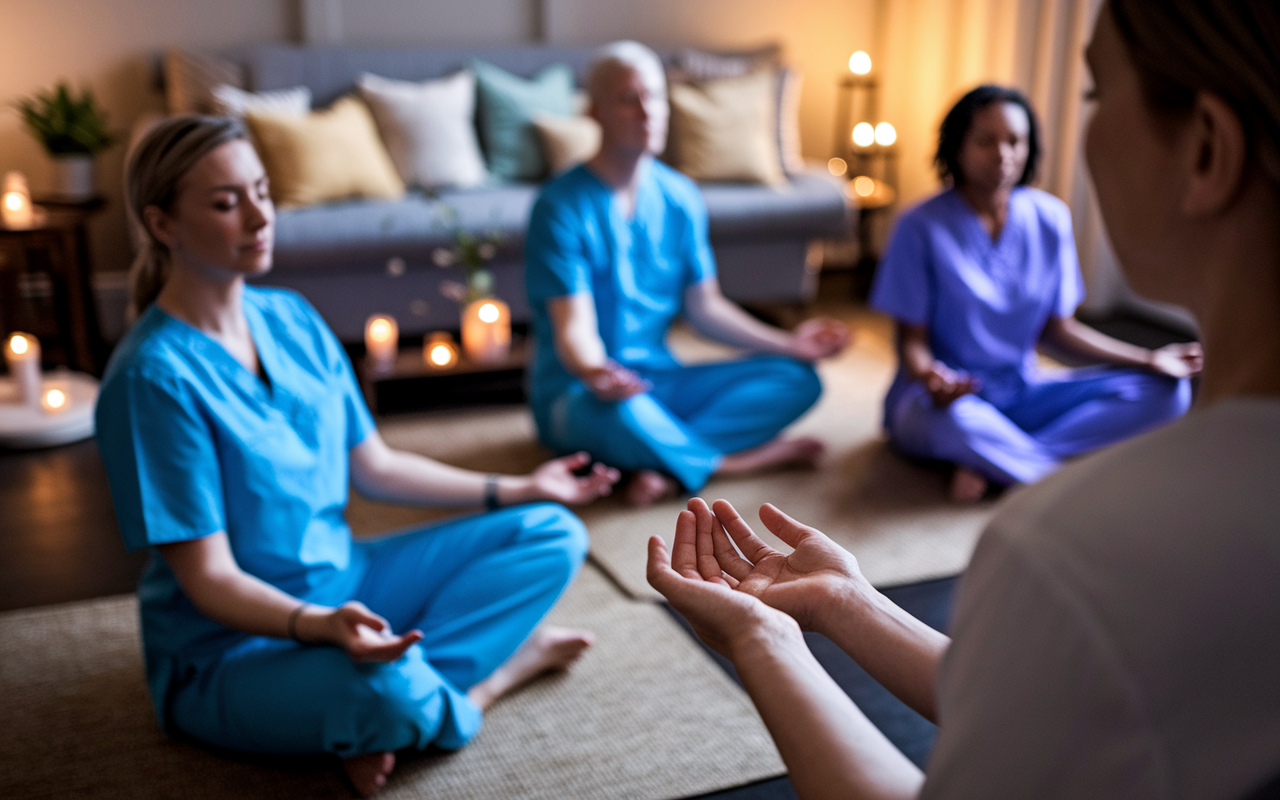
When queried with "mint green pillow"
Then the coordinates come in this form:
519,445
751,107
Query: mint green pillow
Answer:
505,109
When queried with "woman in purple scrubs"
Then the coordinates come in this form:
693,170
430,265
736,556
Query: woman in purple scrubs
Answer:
976,277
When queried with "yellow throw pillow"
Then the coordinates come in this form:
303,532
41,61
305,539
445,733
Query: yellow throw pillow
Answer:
326,155
725,130
567,141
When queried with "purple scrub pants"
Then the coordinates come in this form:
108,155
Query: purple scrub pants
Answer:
1049,420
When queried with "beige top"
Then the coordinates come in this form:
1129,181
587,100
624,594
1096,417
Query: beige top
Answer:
1118,632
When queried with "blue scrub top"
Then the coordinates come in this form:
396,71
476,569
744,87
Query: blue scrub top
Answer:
984,302
195,444
636,269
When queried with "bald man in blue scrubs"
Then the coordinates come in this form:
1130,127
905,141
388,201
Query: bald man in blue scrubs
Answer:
617,249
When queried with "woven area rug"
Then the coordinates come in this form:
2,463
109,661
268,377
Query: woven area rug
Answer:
644,714
892,514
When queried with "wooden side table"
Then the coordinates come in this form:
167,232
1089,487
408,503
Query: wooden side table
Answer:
58,243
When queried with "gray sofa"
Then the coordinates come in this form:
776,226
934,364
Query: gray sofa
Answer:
355,258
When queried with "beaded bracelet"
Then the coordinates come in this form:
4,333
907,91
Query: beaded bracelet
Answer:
491,492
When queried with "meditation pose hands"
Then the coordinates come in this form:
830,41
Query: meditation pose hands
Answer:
1178,360
612,382
818,338
557,480
362,634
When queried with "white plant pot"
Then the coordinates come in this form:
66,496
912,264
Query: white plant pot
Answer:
73,177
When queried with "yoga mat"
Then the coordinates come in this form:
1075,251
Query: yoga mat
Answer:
892,514
644,714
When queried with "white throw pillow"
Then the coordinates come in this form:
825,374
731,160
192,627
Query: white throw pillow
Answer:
567,141
228,101
428,128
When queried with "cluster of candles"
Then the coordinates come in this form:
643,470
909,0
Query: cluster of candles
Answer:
22,356
486,337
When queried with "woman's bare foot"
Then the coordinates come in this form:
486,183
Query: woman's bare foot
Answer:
802,451
647,487
967,486
547,650
368,773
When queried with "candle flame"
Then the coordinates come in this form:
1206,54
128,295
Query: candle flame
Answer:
380,330
14,201
441,355
863,134
55,398
488,313
18,344
885,134
860,63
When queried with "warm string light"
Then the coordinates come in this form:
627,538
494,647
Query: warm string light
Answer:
863,134
885,134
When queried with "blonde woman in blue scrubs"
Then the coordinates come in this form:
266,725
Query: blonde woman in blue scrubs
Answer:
231,427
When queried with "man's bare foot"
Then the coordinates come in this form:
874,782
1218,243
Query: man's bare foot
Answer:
647,487
549,649
967,486
802,451
368,773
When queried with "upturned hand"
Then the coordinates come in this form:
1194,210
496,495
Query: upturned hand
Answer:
819,338
947,385
1179,360
362,634
555,480
613,382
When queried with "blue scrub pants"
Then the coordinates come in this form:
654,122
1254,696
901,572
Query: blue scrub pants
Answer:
1048,421
691,418
476,587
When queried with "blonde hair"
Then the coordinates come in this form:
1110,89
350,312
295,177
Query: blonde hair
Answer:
154,177
1227,48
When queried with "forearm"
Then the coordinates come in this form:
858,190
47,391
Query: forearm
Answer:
718,318
1078,339
829,746
898,650
913,349
412,479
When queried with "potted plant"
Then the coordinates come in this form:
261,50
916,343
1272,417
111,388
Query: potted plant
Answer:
72,130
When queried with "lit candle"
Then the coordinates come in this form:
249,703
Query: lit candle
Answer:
439,351
863,134
885,134
55,401
381,338
22,355
486,331
860,63
15,205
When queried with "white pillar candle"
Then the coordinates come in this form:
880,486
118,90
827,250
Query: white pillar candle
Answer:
22,355
486,331
15,204
381,338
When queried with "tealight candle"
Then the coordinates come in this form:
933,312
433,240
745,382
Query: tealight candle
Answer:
486,331
15,204
22,355
381,338
439,351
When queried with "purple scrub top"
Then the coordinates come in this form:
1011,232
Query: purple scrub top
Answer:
984,302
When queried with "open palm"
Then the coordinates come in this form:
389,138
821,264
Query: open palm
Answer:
800,584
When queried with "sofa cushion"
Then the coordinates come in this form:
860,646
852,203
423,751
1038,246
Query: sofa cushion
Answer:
428,127
726,129
228,101
507,105
567,141
810,205
326,155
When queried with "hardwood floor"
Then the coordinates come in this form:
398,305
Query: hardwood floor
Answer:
58,535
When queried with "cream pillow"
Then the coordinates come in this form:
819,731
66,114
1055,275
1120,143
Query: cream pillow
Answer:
567,141
725,130
429,128
228,101
325,155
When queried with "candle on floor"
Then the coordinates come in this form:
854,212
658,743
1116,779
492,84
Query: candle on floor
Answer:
381,338
15,205
22,355
486,331
439,351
